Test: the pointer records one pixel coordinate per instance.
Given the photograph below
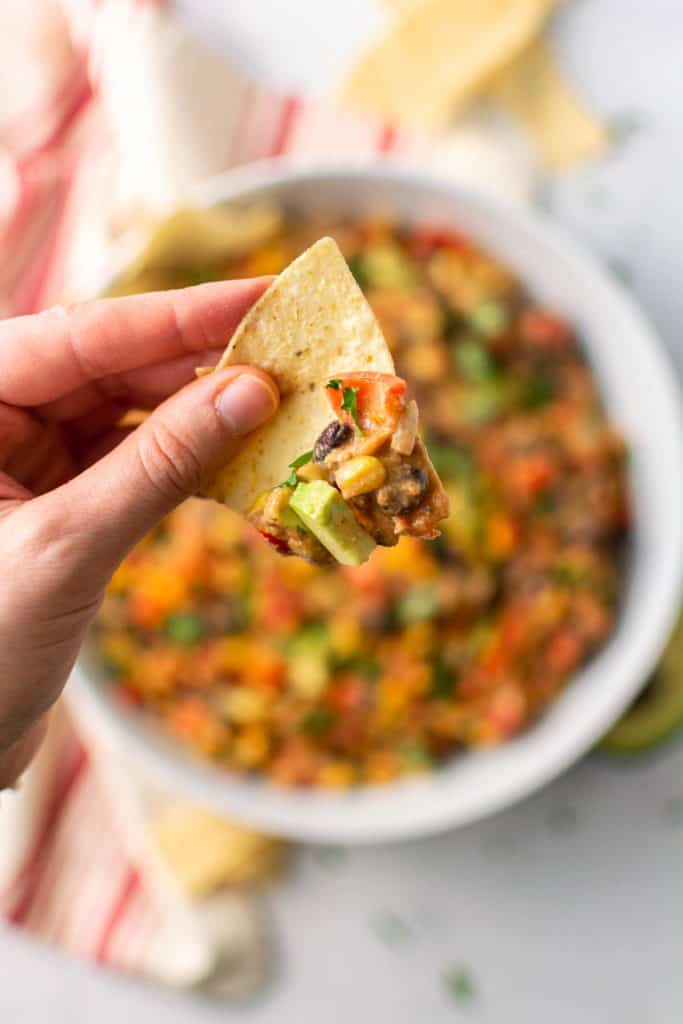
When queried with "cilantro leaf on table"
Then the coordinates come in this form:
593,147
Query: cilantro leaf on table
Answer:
459,985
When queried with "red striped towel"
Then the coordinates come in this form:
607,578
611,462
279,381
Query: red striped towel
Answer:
74,867
68,873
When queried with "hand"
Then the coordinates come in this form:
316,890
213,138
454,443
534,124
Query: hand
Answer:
76,490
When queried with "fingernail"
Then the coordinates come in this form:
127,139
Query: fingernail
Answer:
245,403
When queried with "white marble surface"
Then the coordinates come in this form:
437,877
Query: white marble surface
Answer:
565,909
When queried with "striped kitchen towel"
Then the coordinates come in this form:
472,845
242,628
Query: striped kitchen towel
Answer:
99,148
112,111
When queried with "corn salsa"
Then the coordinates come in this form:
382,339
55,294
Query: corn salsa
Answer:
336,676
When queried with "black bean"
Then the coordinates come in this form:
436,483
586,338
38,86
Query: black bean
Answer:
334,435
404,490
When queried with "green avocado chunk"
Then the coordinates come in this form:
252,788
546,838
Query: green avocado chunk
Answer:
323,510
658,711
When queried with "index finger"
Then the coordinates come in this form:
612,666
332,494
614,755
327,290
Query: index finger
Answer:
50,354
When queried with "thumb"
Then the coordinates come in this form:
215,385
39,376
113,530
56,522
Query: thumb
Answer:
175,453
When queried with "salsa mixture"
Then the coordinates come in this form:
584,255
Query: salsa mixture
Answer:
336,676
368,479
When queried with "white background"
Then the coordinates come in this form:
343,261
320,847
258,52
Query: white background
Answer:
566,909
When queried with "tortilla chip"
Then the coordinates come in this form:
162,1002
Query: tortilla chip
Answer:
205,853
530,89
195,238
439,56
313,323
533,91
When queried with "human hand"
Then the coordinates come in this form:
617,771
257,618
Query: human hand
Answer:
76,490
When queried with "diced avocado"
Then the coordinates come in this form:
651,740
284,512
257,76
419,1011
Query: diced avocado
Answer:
290,518
490,318
323,510
308,657
385,266
658,711
285,515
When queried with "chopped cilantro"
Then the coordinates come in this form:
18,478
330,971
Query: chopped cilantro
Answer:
330,857
443,680
349,401
302,460
416,756
621,270
184,628
459,985
363,664
359,270
567,575
537,391
623,125
390,928
317,721
450,460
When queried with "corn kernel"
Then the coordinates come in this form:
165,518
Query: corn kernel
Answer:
251,746
360,475
242,704
311,471
337,774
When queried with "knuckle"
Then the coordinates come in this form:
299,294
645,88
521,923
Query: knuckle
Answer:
170,464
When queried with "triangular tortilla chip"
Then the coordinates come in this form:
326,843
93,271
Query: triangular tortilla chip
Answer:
438,56
196,238
312,324
533,91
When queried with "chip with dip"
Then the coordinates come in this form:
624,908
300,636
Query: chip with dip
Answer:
340,468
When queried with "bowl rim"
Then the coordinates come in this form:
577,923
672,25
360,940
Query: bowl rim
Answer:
326,817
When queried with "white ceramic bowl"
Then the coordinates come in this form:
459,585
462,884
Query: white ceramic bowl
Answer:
641,392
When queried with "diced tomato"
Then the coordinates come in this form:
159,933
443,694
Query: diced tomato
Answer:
423,241
276,542
510,639
544,330
348,694
265,668
502,535
380,400
530,476
506,713
126,698
564,651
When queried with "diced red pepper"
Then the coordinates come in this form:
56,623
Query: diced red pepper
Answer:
276,542
423,241
380,400
544,330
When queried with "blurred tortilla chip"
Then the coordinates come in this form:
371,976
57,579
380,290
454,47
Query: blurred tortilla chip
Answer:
193,239
205,853
313,323
533,91
440,55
